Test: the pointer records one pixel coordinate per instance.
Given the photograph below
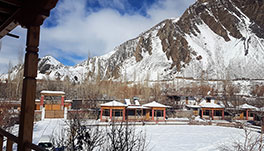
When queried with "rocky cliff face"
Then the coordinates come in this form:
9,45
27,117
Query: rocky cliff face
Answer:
214,38
219,38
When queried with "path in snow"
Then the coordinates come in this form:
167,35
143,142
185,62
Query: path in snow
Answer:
50,127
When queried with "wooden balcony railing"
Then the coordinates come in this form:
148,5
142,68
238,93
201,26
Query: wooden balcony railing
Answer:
11,139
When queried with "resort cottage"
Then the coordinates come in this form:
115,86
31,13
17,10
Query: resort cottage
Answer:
113,111
210,109
118,111
246,112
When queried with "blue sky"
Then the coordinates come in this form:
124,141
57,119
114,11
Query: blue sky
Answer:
77,29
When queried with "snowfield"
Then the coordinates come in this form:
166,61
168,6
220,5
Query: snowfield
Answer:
190,137
164,137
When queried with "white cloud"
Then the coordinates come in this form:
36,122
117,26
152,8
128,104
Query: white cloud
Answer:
79,31
99,32
12,49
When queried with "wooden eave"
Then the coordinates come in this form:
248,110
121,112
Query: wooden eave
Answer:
23,12
8,10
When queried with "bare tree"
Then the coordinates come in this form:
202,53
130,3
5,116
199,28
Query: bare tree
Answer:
232,104
116,137
230,100
82,136
7,115
124,137
251,142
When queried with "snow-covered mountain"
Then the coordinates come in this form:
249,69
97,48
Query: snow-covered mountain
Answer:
216,39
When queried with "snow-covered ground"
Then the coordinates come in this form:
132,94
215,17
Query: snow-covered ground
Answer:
190,137
48,127
163,137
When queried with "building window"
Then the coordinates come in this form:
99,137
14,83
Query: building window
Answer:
251,115
144,112
106,112
131,112
139,112
217,113
245,113
159,113
206,112
117,112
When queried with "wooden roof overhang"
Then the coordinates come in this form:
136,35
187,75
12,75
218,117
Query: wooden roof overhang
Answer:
23,12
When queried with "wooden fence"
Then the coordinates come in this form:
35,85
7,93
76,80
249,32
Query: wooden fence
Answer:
11,139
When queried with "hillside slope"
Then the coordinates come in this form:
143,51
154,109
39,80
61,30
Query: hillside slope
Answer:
214,39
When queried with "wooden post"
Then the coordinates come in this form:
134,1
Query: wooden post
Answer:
111,114
142,115
164,114
1,142
29,88
62,102
152,114
247,114
223,114
124,114
212,114
101,114
9,146
202,113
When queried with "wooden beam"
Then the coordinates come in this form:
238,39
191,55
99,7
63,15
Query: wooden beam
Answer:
4,10
12,35
12,2
29,88
9,24
2,18
8,28
1,142
8,135
9,146
35,147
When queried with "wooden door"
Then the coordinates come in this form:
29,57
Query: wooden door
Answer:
54,114
52,107
241,116
147,115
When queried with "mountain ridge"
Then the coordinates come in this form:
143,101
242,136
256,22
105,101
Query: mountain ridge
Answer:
219,39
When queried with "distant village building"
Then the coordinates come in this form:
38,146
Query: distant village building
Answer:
113,111
211,109
246,112
53,108
174,101
158,111
117,111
